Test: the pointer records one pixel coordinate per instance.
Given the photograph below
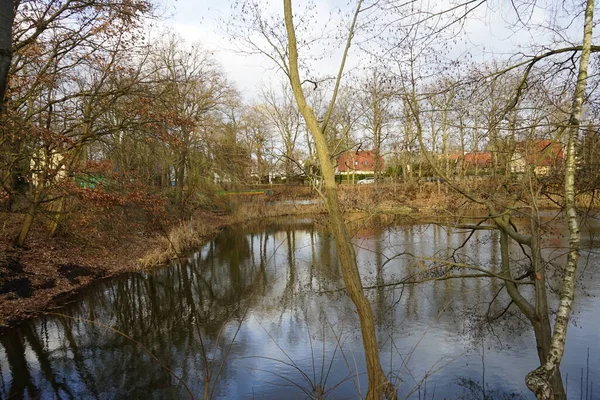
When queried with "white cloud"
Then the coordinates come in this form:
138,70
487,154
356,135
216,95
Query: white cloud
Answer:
491,34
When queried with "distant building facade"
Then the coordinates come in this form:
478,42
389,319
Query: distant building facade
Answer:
359,163
542,155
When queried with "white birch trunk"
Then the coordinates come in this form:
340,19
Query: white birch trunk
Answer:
538,381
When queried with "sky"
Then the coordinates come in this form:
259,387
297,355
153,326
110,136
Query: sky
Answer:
198,21
490,35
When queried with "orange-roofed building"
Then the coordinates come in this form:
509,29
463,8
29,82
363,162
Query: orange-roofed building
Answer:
358,162
542,154
480,160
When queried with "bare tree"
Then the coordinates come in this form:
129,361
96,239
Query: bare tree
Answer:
7,16
378,382
192,91
283,115
377,99
259,141
539,381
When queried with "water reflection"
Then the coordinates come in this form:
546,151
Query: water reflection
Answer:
258,313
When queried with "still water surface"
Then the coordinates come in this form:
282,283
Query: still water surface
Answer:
259,314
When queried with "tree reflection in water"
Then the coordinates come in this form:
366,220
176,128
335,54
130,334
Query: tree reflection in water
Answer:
298,333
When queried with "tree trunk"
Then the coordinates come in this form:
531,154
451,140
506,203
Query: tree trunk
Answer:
540,381
543,339
462,150
28,221
7,16
180,180
378,382
537,314
56,209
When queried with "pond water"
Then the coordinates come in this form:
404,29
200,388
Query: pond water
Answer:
258,314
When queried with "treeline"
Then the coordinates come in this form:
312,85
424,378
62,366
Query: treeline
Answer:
98,113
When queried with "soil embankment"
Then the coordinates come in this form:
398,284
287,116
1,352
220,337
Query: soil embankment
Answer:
51,270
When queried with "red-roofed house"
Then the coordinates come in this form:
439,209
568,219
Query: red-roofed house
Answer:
542,154
358,162
480,160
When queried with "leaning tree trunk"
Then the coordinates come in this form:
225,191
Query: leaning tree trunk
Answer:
7,17
378,382
27,223
539,380
541,318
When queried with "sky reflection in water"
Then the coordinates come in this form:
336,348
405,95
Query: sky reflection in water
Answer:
264,304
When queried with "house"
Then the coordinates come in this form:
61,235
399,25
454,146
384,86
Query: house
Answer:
543,155
473,160
359,163
47,166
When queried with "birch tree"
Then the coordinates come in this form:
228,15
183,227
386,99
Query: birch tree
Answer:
539,380
533,303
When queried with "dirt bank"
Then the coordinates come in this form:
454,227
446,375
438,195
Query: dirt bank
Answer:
50,270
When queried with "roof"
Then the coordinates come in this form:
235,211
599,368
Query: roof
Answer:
358,161
541,152
481,159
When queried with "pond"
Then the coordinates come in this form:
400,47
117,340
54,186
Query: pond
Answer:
259,313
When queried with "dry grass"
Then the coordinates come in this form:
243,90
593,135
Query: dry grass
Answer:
202,226
181,238
364,199
367,201
589,200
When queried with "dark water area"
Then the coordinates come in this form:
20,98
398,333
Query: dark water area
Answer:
258,313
